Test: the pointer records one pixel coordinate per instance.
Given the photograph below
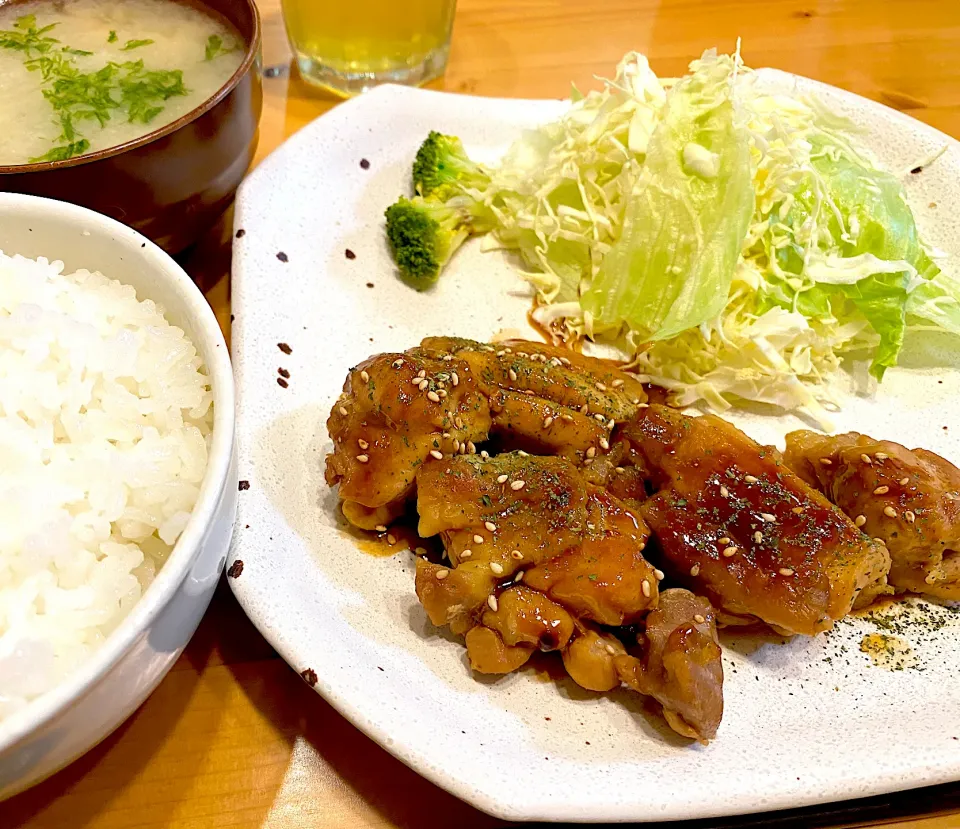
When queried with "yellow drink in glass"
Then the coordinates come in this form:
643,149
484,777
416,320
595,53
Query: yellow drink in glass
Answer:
351,45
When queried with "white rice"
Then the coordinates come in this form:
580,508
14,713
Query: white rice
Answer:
105,419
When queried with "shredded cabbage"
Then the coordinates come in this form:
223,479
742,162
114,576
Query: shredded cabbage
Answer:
732,244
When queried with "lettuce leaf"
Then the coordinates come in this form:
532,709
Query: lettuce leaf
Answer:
687,218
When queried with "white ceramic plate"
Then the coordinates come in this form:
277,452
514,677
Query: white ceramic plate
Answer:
805,722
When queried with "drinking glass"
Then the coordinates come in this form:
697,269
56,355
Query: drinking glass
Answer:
348,46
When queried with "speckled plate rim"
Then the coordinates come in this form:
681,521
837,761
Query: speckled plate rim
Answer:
561,806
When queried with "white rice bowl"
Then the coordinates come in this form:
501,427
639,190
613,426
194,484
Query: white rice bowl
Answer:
105,423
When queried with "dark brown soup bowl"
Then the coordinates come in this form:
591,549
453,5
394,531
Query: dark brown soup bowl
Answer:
173,183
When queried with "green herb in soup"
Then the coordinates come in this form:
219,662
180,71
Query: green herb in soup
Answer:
68,81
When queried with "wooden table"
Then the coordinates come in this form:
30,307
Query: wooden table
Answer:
233,737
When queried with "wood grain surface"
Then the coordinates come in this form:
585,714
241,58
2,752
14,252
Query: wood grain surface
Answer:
233,737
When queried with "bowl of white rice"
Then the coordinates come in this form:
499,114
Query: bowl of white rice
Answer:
118,483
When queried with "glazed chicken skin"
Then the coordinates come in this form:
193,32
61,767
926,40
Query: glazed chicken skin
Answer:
516,517
401,411
909,499
734,523
543,560
396,412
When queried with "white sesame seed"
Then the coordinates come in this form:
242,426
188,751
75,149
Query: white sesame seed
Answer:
724,491
522,354
455,379
645,588
448,358
433,397
890,512
423,385
910,516
860,520
698,618
492,603
500,353
502,479
723,540
442,574
620,470
496,568
695,570
599,418
786,571
659,574
465,554
611,423
750,479
826,461
592,451
548,421
436,453
381,528
363,458
516,555
635,401
584,409
555,362
422,373
391,539
866,458
523,454
471,447
517,485
456,445
490,526
731,551
757,537
904,481
768,517
519,576
881,456
446,435
588,461
881,490
458,422
601,387
513,375
565,361
398,363
463,448
478,539
442,393
416,381
610,649
617,383
604,443
488,348
343,411
362,443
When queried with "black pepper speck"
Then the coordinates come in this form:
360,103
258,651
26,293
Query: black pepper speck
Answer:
349,254
244,485
364,164
241,233
282,256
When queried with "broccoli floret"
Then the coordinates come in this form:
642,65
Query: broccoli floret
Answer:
442,168
425,233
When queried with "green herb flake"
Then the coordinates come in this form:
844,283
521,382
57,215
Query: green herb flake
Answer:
112,37
215,48
130,45
64,152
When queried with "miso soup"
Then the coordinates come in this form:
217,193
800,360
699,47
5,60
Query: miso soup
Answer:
77,76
